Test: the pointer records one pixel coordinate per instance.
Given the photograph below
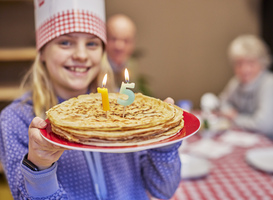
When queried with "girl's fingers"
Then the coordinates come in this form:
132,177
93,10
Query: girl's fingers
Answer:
38,122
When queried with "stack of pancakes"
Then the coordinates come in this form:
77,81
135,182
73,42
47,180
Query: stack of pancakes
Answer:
146,120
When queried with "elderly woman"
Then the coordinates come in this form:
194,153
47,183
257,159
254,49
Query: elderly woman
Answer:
248,97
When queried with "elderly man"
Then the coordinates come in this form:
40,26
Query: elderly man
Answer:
121,38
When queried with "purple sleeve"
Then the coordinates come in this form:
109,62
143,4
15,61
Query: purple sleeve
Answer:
161,171
14,122
36,182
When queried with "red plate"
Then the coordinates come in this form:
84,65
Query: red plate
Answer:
191,126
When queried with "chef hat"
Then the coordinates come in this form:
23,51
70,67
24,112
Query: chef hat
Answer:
57,17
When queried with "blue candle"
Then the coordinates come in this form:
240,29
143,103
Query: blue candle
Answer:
124,90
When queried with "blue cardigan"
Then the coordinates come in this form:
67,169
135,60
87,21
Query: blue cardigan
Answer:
127,176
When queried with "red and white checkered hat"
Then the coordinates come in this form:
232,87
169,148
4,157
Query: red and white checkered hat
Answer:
57,17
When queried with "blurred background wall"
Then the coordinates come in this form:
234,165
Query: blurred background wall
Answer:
184,42
181,44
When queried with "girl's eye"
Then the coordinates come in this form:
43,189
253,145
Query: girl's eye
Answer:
92,44
65,43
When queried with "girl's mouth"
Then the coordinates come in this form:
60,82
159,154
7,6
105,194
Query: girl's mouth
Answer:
78,69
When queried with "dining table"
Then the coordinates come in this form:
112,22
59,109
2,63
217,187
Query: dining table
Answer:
230,176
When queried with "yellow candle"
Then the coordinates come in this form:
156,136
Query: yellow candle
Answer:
104,94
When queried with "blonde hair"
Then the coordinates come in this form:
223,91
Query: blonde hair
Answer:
37,80
249,46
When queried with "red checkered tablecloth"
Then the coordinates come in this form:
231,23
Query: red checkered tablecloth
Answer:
231,178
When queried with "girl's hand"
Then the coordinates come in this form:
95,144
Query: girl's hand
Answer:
41,152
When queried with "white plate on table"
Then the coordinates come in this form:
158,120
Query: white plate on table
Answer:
261,159
194,167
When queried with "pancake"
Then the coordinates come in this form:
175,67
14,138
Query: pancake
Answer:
83,120
131,141
85,112
125,133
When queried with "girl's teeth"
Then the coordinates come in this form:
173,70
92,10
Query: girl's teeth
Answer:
80,69
76,69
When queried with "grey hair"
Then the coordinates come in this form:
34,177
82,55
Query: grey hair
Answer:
250,46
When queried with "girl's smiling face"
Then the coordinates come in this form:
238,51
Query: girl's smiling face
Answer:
73,62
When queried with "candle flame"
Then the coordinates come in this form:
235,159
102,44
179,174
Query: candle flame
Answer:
104,80
126,75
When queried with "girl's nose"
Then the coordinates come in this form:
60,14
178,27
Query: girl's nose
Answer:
80,53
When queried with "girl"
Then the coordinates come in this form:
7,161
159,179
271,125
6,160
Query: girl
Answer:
67,65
